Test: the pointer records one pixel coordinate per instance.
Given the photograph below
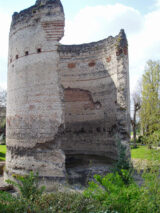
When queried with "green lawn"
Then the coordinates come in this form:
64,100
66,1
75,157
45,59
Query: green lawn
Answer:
2,152
142,152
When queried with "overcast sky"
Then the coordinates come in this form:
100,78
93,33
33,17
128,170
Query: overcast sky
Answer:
93,20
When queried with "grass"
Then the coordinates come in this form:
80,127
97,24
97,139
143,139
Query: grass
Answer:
2,152
143,153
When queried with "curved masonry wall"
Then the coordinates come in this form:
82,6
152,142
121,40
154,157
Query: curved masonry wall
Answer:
66,103
96,95
35,114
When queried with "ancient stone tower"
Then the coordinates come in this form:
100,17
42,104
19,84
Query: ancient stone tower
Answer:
66,104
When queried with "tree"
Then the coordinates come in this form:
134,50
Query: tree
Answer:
136,107
3,98
150,107
3,95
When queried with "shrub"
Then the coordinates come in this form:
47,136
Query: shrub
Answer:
141,139
31,199
71,202
150,193
53,203
27,186
123,163
113,193
154,138
107,194
7,202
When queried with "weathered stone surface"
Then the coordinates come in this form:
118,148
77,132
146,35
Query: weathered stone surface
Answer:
66,103
34,107
4,186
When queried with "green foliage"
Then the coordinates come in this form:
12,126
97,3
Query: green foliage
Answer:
113,193
3,129
107,194
141,139
7,202
32,199
118,42
2,152
150,193
150,107
51,203
123,163
153,139
71,202
27,186
118,191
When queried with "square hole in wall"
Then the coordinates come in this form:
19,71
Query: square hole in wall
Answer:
26,53
39,50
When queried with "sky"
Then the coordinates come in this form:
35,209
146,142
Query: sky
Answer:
93,20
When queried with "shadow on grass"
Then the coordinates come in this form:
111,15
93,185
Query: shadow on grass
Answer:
2,155
134,147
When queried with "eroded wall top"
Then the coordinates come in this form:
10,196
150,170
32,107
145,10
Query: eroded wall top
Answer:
35,11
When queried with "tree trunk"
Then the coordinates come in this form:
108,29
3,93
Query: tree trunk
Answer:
134,130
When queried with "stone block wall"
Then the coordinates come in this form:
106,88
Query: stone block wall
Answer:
66,104
34,105
96,97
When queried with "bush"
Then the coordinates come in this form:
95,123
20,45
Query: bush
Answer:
141,139
150,193
7,202
113,193
71,202
52,203
109,194
123,163
27,186
31,199
154,138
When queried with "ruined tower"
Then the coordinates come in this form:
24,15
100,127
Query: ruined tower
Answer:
66,104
